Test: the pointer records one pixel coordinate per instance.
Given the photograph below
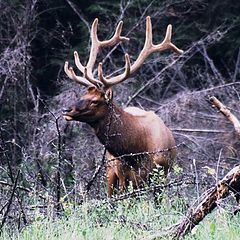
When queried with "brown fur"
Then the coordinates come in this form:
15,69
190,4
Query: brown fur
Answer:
124,132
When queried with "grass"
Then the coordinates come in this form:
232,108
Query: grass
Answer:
128,219
218,226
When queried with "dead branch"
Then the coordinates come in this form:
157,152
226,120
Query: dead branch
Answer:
196,130
79,14
97,170
226,112
18,187
9,202
230,183
59,206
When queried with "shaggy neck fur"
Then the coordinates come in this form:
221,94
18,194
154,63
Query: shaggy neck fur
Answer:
117,131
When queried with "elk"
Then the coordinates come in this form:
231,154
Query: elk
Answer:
124,132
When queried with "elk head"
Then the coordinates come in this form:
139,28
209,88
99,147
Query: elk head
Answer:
94,104
91,107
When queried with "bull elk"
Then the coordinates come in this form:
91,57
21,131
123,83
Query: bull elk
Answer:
124,132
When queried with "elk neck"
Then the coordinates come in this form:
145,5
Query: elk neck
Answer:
117,131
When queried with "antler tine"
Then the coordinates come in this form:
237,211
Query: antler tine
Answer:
94,48
71,74
77,62
146,51
168,35
149,47
166,43
148,38
115,38
96,45
117,79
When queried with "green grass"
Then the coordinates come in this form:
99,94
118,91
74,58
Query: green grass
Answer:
129,219
218,226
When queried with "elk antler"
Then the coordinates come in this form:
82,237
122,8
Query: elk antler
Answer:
88,79
149,47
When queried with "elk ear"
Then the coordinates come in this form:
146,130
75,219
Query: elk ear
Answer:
108,95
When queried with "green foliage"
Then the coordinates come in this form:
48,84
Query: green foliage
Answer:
177,169
157,176
219,225
129,219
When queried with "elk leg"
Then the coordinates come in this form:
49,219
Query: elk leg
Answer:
122,184
111,181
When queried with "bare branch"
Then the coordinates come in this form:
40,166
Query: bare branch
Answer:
10,201
226,112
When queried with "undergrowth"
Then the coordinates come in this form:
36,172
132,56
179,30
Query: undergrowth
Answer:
128,219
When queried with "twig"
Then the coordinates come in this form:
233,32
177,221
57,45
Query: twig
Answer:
237,66
4,205
196,177
59,152
78,13
9,202
97,170
218,164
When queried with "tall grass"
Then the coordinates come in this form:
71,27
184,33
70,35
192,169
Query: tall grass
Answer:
128,219
218,226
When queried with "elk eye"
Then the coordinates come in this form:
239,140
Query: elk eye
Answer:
94,103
